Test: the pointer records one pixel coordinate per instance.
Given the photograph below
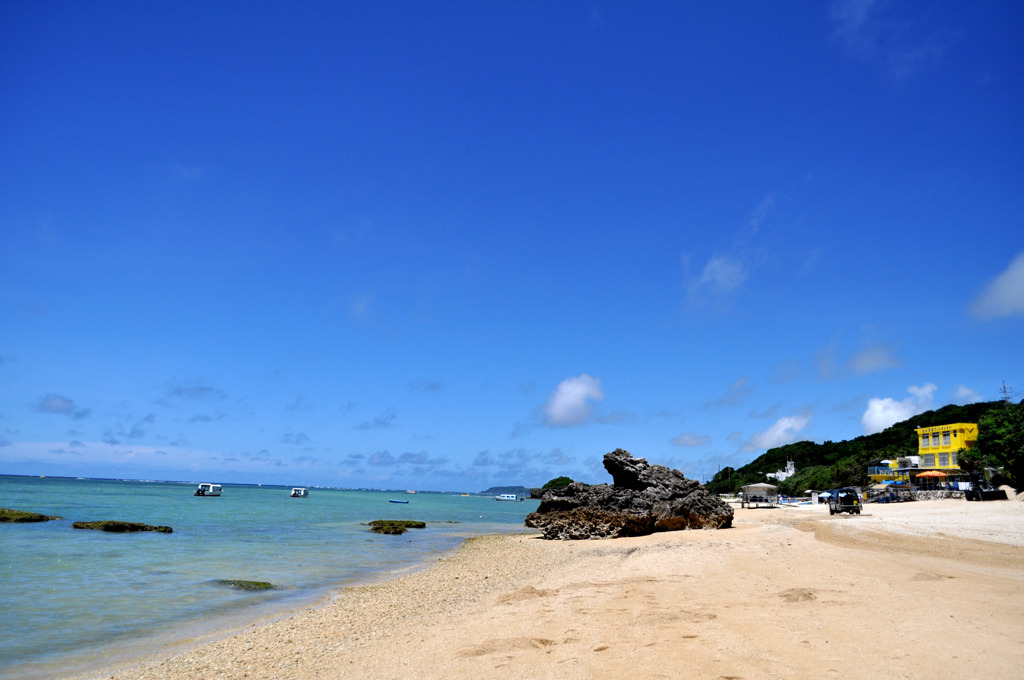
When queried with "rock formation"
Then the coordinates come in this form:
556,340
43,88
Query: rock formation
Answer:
395,526
244,585
120,527
642,499
9,515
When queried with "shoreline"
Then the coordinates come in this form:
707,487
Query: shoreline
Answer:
782,594
121,655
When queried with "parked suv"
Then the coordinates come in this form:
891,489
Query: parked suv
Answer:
844,500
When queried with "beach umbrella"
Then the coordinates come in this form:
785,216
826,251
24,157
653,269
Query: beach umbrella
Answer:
932,473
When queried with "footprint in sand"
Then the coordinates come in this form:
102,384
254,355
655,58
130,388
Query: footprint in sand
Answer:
506,646
527,593
929,576
798,595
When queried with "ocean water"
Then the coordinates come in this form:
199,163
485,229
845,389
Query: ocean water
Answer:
76,600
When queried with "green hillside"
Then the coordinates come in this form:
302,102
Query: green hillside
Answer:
521,491
834,464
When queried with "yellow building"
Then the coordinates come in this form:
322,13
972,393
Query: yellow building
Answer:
937,446
887,472
936,450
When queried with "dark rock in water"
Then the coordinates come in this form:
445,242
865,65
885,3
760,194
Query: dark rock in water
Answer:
644,498
244,585
8,515
120,527
537,492
395,526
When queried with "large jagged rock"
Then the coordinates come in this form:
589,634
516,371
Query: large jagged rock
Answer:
642,499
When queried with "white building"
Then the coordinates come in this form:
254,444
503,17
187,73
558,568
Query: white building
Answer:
784,474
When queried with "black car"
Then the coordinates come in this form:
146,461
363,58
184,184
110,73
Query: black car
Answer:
844,500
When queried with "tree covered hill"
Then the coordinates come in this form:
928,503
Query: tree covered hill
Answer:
834,464
497,490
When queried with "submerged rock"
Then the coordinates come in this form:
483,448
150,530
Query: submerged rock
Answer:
8,515
395,526
642,499
120,527
244,585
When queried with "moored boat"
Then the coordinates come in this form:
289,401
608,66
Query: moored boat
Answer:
300,492
207,489
507,497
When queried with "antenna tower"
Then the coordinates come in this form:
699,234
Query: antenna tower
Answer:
1007,392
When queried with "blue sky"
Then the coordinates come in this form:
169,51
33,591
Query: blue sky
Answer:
446,246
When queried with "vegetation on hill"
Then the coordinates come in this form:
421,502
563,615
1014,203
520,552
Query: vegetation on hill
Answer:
834,464
497,490
1001,443
556,483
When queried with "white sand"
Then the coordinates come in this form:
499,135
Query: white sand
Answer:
916,590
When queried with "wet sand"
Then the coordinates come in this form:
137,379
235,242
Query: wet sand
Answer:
915,590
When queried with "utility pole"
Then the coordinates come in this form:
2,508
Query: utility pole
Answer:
1007,392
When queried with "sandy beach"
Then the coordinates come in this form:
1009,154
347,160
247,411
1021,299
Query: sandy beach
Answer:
915,590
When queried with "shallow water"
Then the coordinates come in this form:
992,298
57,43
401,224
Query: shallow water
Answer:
73,598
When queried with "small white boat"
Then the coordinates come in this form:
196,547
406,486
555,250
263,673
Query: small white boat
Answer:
507,497
207,489
300,492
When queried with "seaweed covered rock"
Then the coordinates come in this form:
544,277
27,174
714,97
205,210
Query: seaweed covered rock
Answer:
120,527
244,585
395,526
642,499
8,515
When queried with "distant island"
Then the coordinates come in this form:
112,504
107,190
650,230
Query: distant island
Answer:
521,491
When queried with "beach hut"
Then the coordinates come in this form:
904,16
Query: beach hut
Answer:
759,496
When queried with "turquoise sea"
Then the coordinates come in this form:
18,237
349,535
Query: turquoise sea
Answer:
76,600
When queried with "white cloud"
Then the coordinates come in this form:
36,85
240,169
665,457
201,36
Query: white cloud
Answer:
887,34
825,362
737,394
570,403
785,430
383,421
923,393
852,18
359,306
873,359
965,395
54,403
1004,295
690,439
60,405
758,214
720,275
786,372
884,412
104,454
188,173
